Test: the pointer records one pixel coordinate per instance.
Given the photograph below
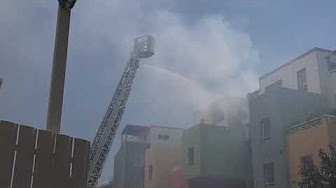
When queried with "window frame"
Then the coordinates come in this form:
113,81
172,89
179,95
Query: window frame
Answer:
191,156
163,137
263,132
302,82
304,164
269,179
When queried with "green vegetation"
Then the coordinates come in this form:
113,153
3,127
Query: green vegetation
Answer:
323,176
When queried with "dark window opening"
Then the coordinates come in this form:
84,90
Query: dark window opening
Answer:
269,174
266,128
191,156
307,162
150,172
302,80
163,137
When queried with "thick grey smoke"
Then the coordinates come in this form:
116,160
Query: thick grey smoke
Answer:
195,62
198,64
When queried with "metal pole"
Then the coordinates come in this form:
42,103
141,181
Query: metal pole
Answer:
58,70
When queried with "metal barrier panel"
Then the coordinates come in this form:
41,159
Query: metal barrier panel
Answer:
24,157
61,165
80,163
43,160
8,132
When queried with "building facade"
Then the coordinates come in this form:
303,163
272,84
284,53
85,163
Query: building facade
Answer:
313,71
129,162
304,141
271,114
163,154
216,156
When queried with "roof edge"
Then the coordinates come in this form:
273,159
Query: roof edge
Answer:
166,127
293,60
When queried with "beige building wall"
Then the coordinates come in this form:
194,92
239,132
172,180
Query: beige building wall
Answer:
288,73
162,160
173,139
308,142
320,79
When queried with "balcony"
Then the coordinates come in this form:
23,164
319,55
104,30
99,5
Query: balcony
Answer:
323,120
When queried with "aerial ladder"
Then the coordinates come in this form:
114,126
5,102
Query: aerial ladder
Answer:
100,147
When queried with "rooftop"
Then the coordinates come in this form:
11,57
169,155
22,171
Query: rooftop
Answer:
135,130
295,59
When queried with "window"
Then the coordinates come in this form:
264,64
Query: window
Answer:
163,137
269,174
266,128
302,80
307,162
331,65
191,156
150,172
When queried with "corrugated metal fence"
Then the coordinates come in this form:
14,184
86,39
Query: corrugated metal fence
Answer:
31,158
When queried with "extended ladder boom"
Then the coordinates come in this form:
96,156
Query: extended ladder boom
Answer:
100,147
108,128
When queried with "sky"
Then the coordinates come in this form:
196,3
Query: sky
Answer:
204,50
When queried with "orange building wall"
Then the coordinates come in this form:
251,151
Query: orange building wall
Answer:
163,159
303,143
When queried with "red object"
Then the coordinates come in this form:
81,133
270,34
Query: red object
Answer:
176,178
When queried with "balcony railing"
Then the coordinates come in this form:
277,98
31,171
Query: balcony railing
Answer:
312,123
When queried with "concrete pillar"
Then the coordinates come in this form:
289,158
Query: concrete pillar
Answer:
58,70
